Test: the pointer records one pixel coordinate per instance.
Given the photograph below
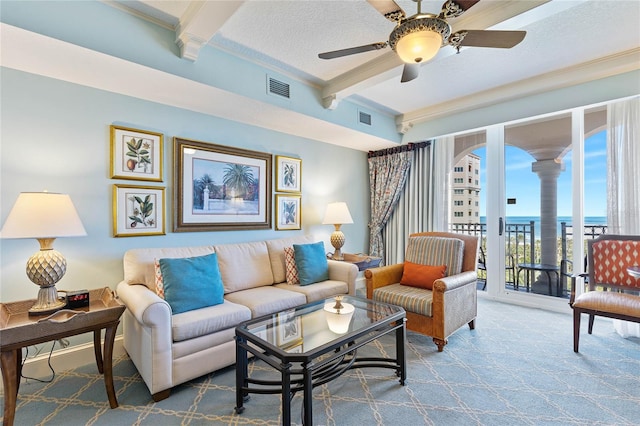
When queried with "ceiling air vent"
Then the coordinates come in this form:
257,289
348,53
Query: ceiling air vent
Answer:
278,88
364,118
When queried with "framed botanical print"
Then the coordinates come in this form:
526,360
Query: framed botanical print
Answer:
138,211
288,215
288,174
136,154
220,188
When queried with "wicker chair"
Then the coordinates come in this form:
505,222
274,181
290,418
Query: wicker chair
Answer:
441,311
612,292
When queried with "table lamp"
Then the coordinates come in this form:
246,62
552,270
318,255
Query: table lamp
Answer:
337,214
44,216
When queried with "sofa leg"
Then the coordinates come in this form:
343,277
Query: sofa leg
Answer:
159,396
440,343
576,329
472,324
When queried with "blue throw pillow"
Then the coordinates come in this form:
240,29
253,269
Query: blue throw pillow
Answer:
192,282
311,262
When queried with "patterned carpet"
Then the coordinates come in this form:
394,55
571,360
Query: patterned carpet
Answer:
516,368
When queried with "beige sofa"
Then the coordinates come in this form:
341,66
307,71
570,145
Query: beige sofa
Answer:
170,349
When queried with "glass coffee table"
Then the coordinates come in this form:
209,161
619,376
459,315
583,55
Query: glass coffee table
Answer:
313,344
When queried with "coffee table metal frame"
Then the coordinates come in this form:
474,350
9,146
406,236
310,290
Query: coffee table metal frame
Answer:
306,370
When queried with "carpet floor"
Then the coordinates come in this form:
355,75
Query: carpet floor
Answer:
516,368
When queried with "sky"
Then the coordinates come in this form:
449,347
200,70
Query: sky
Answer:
524,185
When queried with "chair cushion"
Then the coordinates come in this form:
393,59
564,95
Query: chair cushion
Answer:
311,262
412,299
421,276
609,301
426,250
192,282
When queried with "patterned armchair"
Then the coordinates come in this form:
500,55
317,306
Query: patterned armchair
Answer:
612,292
450,301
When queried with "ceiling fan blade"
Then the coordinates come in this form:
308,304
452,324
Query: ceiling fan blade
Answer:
482,38
389,9
410,72
455,8
352,50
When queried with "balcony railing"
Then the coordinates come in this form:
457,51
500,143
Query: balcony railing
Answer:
522,246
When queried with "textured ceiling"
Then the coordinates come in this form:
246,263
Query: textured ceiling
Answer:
562,37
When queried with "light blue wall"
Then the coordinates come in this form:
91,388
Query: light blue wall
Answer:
55,136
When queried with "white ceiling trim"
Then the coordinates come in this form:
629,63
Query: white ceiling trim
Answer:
600,68
41,55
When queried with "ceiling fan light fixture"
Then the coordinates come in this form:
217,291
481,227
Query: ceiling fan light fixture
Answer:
419,39
419,46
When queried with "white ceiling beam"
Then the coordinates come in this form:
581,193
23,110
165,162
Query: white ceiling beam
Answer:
384,67
200,21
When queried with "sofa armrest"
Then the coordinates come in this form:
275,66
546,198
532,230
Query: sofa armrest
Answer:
344,271
146,307
382,276
454,281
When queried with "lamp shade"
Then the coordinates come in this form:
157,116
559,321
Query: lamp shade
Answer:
337,214
42,215
419,46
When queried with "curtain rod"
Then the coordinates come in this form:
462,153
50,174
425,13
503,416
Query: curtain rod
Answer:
397,149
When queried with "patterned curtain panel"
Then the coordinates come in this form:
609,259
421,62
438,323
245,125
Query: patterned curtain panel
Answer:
623,185
387,174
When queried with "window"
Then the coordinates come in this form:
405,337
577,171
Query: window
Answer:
458,203
458,180
458,191
458,169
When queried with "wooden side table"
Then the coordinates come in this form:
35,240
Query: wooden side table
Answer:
18,330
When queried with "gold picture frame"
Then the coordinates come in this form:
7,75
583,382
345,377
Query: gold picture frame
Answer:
220,188
288,212
136,154
288,174
138,211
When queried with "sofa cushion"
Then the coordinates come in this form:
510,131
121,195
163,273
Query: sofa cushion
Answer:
158,274
291,272
244,265
138,263
192,282
412,299
276,254
426,250
200,322
266,300
311,262
318,291
422,276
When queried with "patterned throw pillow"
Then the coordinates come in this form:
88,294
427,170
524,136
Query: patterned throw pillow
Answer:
158,275
291,270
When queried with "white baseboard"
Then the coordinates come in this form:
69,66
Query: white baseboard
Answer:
65,359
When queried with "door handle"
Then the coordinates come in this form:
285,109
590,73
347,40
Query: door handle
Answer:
500,226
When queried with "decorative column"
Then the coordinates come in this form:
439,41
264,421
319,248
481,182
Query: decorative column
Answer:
205,199
548,172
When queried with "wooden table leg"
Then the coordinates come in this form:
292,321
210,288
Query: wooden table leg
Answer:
97,349
10,379
110,334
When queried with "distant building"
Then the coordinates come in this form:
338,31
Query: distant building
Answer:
465,199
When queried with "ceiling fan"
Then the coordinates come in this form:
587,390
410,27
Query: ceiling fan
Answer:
418,38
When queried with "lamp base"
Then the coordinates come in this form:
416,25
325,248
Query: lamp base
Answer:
337,241
47,302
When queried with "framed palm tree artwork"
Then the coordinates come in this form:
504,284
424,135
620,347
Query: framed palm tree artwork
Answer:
288,215
288,174
220,188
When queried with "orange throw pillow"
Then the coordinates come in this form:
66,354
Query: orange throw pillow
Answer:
422,276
